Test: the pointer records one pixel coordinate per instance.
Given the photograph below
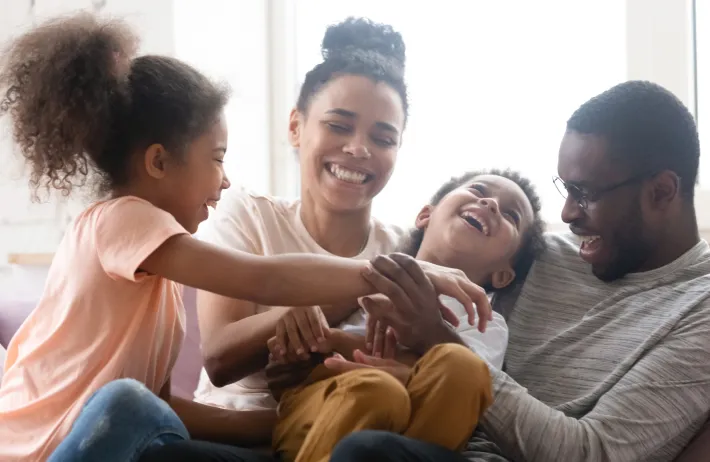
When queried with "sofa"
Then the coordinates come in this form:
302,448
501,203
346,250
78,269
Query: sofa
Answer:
187,369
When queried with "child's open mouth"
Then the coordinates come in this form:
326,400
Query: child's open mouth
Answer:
475,221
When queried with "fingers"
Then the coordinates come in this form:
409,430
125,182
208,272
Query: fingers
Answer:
412,268
370,331
281,337
390,347
392,290
294,337
274,350
400,275
379,341
368,360
448,315
338,364
318,325
300,315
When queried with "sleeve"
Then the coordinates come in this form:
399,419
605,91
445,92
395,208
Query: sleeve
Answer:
489,345
664,397
127,231
235,224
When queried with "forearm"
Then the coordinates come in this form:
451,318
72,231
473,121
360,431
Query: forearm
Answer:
283,280
242,428
239,349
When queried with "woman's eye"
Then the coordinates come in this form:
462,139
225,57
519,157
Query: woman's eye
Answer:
338,128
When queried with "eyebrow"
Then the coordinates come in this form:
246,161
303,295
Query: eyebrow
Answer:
351,115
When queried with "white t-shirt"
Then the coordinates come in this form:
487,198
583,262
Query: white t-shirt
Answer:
489,345
266,225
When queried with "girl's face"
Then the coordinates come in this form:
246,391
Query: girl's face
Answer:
195,182
347,142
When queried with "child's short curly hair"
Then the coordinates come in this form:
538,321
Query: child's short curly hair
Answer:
533,242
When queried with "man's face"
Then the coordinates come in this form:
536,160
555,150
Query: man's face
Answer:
615,236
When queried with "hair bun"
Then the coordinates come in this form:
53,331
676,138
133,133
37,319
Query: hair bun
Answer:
361,34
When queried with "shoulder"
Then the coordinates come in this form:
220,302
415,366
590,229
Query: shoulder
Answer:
126,211
386,236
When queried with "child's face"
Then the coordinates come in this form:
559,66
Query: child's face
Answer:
190,185
478,228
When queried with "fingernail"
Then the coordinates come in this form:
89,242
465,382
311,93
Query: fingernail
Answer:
368,269
314,349
368,345
321,339
282,352
300,351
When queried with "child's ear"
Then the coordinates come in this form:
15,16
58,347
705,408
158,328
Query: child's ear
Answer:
502,278
294,128
156,159
423,217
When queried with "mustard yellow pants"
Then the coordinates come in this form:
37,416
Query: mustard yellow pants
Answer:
447,391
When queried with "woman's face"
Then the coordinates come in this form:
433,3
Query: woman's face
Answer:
348,141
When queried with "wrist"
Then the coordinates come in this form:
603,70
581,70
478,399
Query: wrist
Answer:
438,334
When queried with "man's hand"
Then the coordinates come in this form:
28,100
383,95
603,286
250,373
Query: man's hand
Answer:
414,313
362,361
302,330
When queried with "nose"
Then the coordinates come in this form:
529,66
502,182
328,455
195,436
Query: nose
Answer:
225,182
571,211
357,148
490,203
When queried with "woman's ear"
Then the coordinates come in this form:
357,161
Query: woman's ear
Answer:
294,128
502,278
423,217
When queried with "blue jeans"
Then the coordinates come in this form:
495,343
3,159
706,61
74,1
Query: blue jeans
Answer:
381,446
119,422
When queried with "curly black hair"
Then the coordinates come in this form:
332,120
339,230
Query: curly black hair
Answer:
81,103
533,242
358,46
646,127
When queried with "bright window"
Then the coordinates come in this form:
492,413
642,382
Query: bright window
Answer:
491,83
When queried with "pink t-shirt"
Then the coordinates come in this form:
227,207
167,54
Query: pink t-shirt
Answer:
99,319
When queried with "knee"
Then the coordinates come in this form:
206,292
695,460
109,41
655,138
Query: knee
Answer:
129,396
373,446
460,367
379,393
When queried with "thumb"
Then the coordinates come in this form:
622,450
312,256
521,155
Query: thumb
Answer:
340,364
372,361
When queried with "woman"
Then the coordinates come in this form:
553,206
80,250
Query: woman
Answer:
347,128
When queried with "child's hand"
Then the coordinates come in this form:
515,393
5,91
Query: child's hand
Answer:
380,339
303,330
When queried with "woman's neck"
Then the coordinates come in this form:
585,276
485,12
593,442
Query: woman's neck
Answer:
343,234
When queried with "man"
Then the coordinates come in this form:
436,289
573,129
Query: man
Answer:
609,354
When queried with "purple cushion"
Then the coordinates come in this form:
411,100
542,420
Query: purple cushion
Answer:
12,315
187,368
189,363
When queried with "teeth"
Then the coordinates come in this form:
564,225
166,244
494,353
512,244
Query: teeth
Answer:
211,203
591,239
476,217
345,174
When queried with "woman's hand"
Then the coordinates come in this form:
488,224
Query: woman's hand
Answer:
302,330
415,312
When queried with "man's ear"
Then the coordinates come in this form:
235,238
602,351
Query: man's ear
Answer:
502,278
665,187
423,217
155,160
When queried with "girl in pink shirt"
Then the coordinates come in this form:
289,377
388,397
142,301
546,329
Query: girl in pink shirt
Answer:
84,372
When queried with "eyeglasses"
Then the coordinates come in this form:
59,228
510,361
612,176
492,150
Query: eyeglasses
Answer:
584,198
